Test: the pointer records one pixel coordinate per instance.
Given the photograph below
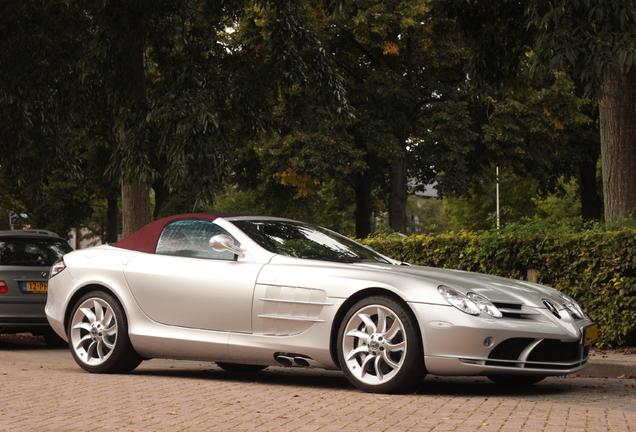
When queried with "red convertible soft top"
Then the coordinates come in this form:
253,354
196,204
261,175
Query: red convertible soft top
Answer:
146,239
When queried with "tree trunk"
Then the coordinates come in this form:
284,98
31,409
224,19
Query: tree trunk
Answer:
135,199
397,197
362,188
617,107
591,202
112,215
135,206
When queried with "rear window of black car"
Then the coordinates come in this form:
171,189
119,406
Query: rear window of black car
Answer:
31,251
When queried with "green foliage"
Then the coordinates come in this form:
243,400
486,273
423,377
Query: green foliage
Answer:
539,133
329,207
495,34
37,89
478,211
426,215
597,267
593,38
521,205
152,92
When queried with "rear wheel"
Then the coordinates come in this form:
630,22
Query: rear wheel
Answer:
98,335
380,347
240,368
516,380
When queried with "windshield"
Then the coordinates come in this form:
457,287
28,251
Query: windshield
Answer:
300,240
31,251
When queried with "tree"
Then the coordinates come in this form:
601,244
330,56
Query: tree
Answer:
478,212
548,133
597,41
39,171
404,74
593,40
152,82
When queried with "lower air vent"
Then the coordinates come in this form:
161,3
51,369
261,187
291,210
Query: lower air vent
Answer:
538,354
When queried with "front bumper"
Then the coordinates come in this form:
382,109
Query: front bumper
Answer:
459,344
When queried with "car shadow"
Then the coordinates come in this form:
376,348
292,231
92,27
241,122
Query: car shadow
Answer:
483,387
318,378
300,377
271,376
21,343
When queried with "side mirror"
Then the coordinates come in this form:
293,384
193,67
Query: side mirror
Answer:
224,243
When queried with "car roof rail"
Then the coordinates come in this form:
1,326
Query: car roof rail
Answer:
29,231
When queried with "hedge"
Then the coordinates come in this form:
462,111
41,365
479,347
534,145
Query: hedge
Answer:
597,268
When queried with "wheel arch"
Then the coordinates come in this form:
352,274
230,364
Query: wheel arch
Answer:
344,308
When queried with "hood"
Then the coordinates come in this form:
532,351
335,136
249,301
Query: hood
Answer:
496,289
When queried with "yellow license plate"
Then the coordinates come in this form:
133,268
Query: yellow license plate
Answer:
37,287
591,334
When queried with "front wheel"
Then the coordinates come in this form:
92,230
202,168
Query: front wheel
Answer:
380,347
98,335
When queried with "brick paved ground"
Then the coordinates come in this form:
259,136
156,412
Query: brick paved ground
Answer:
44,390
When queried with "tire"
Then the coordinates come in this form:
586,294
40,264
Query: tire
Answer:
516,380
98,335
240,368
380,347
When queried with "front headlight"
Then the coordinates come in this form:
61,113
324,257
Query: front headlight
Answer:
485,305
471,303
459,300
572,306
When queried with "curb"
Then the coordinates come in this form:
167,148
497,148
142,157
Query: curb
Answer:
608,368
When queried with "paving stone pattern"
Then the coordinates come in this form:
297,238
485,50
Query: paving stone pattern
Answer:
51,393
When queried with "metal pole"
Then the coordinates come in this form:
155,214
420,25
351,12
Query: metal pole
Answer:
497,173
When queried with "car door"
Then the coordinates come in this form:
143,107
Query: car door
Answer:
188,284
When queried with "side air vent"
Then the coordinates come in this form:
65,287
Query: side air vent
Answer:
287,311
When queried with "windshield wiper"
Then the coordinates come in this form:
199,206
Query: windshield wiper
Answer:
346,260
349,260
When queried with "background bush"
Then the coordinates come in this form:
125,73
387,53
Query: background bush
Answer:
598,268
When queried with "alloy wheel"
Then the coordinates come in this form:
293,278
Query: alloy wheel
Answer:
374,344
93,331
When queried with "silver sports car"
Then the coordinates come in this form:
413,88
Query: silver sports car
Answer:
250,292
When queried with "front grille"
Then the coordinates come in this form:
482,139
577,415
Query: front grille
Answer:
516,310
523,312
510,310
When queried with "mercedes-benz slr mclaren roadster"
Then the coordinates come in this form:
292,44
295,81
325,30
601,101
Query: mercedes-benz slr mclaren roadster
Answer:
250,292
